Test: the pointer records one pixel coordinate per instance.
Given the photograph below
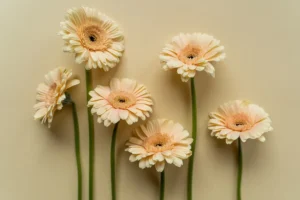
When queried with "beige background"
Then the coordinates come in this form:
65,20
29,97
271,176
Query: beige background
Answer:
261,38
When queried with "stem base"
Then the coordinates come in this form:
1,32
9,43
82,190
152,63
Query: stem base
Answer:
240,170
194,135
112,162
88,75
162,186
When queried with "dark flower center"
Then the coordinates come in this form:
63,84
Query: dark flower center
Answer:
121,100
92,38
239,124
191,56
159,145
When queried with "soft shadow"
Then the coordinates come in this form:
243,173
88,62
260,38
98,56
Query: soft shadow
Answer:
152,176
204,84
60,127
125,132
183,87
102,77
220,148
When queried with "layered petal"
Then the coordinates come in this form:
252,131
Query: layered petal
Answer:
51,93
125,99
95,39
189,53
159,142
239,119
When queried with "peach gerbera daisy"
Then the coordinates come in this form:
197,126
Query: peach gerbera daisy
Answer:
51,93
95,39
189,53
125,99
239,119
159,141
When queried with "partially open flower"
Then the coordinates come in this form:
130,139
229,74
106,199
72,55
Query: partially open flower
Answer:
51,93
159,141
125,99
239,119
95,39
189,53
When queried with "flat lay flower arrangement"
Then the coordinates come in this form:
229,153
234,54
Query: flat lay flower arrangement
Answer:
97,42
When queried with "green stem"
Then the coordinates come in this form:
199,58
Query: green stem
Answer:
194,135
77,150
88,74
240,170
162,185
112,162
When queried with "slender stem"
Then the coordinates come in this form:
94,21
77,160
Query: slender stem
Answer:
194,135
162,185
112,162
77,150
88,74
240,170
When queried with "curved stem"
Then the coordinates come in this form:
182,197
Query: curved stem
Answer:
240,170
77,150
194,135
162,185
88,74
112,162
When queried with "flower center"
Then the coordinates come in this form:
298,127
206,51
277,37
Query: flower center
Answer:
240,122
190,54
121,100
93,37
50,96
158,143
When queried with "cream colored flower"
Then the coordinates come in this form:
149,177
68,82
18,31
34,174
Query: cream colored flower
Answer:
51,93
125,99
159,141
189,53
95,39
239,119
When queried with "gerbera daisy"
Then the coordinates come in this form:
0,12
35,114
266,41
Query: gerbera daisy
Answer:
51,93
125,99
160,141
95,39
189,53
239,119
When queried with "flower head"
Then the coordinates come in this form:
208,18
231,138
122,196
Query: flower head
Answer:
189,53
51,93
125,99
159,141
95,39
239,119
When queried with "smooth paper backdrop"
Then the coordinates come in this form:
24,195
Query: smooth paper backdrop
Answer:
261,39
